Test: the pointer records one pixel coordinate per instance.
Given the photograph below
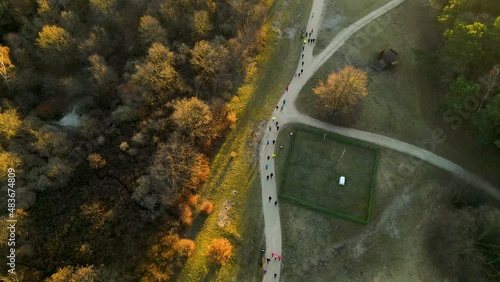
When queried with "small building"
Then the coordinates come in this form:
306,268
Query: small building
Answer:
342,181
385,59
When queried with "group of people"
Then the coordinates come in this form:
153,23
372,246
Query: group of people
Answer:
276,257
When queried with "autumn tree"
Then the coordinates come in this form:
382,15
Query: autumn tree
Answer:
70,273
165,256
6,66
96,161
56,45
209,60
150,30
157,73
103,9
53,38
341,91
207,207
104,79
10,123
8,160
201,22
193,118
219,251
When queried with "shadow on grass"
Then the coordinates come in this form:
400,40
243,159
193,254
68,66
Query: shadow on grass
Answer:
197,225
211,274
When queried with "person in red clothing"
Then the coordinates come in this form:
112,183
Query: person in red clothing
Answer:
279,258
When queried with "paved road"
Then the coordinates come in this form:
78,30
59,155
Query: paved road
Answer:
272,228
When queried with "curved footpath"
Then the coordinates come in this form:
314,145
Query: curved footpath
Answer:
272,226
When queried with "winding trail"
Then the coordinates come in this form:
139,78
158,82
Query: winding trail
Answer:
272,226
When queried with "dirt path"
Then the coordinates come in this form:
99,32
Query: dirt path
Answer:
272,228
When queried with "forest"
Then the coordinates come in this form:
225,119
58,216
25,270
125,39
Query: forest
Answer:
468,64
153,83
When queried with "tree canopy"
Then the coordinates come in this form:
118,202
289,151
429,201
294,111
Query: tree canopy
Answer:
341,91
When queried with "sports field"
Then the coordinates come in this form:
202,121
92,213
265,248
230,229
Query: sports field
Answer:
314,164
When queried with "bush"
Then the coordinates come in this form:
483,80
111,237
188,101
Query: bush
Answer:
207,207
96,161
187,216
193,200
184,247
219,251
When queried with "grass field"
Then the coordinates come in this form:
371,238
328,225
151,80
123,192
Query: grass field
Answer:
392,247
339,14
403,101
315,163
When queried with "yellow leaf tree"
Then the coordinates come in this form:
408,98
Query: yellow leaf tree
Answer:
10,123
341,91
6,66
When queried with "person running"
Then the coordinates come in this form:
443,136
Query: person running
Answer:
302,56
276,123
302,62
274,155
272,254
268,260
268,157
281,108
295,75
270,198
309,40
265,271
267,166
277,128
284,101
267,142
272,175
274,118
279,257
286,88
299,74
268,177
275,275
274,141
301,70
275,204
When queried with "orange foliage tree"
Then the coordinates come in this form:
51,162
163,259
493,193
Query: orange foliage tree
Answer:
219,251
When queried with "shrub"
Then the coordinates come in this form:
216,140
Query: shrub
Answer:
193,200
207,207
187,216
184,247
96,161
219,251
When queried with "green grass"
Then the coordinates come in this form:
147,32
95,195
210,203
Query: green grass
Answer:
233,181
314,165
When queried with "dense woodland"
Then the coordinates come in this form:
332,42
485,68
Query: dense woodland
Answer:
469,65
154,83
464,241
